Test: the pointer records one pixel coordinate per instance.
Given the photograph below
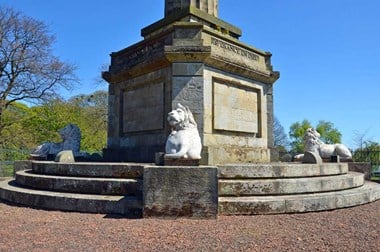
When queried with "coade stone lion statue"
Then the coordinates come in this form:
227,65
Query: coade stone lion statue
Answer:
184,140
312,143
71,136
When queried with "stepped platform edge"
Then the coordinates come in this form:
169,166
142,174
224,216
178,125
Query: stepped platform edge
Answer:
352,190
136,170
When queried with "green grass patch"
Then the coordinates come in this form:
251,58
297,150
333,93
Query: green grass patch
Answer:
6,170
375,179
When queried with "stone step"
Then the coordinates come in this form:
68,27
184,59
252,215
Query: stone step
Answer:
280,170
103,186
251,205
87,203
248,187
104,170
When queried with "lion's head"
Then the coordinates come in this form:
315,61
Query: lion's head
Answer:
311,140
71,136
181,118
311,134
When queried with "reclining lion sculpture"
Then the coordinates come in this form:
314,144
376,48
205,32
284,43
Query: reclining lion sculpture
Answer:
71,137
313,143
183,141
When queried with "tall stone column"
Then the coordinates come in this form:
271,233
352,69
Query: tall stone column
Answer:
208,6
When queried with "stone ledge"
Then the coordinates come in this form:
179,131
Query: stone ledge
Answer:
104,170
250,187
280,170
369,192
233,30
101,186
362,167
86,203
181,162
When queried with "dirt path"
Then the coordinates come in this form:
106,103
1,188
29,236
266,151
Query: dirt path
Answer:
352,229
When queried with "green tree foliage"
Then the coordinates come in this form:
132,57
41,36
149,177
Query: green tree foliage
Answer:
28,70
31,126
296,133
329,134
94,109
368,152
89,112
48,118
14,135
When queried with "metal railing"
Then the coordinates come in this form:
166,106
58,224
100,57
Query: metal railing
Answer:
369,156
372,157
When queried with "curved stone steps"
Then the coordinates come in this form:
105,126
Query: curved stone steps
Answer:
281,186
280,170
103,170
83,185
300,203
87,203
277,188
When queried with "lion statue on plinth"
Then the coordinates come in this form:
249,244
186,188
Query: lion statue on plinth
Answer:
183,141
71,137
313,143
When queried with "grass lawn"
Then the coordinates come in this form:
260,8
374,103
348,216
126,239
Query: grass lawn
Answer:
6,170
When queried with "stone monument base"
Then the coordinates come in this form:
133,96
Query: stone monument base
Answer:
134,190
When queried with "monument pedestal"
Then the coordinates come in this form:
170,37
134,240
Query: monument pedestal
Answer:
193,58
174,192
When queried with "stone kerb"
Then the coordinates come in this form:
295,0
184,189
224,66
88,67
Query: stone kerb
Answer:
173,192
90,169
280,170
287,186
101,186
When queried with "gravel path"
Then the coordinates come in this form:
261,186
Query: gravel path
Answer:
352,229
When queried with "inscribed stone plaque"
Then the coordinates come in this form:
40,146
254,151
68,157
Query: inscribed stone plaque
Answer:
238,55
143,108
235,108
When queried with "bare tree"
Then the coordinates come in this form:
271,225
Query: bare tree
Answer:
28,70
281,140
360,139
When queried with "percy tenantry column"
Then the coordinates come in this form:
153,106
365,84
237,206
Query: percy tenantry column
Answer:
194,58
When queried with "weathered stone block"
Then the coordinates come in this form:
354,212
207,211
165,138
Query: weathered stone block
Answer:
143,108
236,108
189,92
22,165
181,162
188,69
362,167
172,192
311,158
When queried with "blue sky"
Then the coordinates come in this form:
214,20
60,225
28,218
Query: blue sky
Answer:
327,51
